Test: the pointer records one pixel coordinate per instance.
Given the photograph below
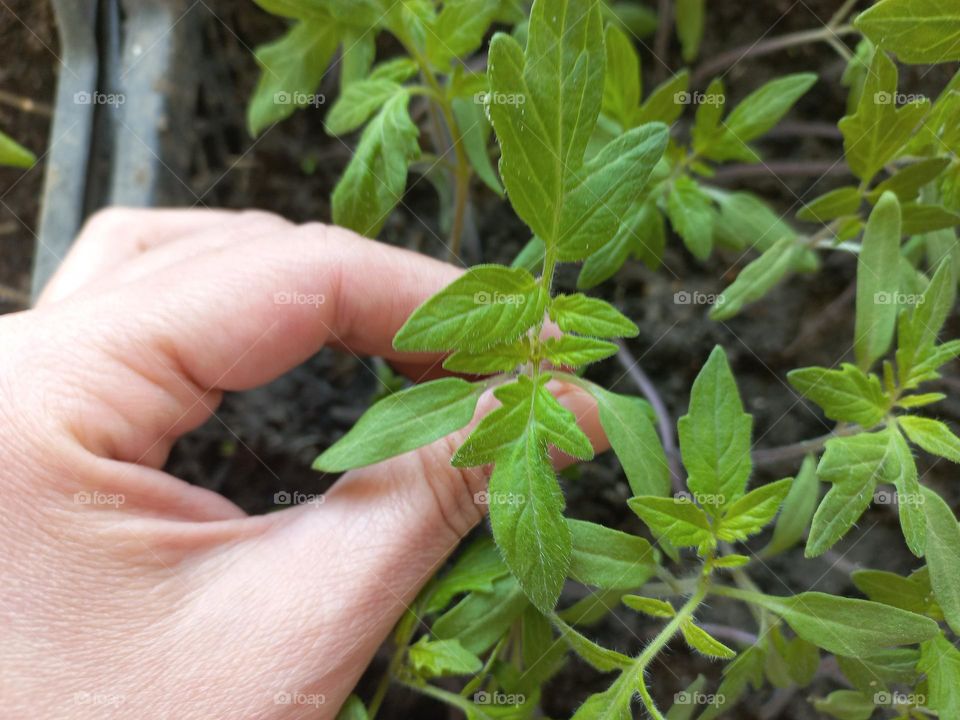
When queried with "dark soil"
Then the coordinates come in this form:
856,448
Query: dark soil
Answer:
263,441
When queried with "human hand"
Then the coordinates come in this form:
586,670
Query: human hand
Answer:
128,592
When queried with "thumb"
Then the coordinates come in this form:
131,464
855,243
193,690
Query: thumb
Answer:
336,577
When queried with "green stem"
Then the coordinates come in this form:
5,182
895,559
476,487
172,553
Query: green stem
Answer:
462,172
396,661
461,703
633,677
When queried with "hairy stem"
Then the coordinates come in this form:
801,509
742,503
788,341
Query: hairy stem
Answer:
634,675
462,171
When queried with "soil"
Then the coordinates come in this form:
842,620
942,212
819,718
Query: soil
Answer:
262,442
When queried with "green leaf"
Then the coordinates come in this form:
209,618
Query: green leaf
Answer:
621,80
442,658
706,124
291,70
940,660
524,404
608,558
880,670
909,498
402,422
763,108
854,466
918,31
482,618
486,306
798,509
476,569
755,115
679,521
649,606
376,177
628,425
600,658
499,358
557,86
751,513
731,561
906,182
459,30
919,219
396,70
746,669
638,20
918,357
691,216
834,204
642,234
715,436
932,435
661,105
611,704
895,590
700,640
358,49
574,351
475,132
878,129
943,556
878,282
13,154
757,278
531,256
598,196
909,402
745,221
590,316
846,626
353,709
526,514
690,20
846,395
357,103
846,705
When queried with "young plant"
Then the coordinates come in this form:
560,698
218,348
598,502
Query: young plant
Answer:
597,173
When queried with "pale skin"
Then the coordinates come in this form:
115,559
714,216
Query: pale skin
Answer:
173,603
